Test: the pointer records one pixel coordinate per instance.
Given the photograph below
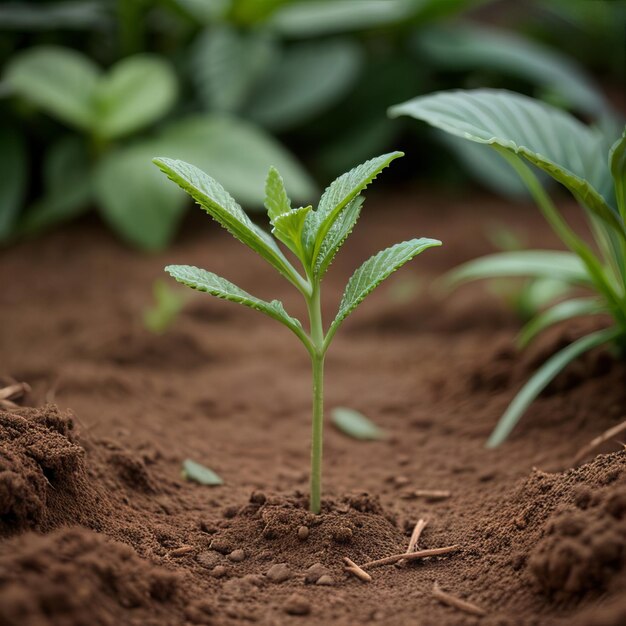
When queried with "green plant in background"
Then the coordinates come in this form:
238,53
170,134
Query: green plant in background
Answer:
522,131
168,303
314,237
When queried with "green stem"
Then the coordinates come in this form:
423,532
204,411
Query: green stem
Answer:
317,362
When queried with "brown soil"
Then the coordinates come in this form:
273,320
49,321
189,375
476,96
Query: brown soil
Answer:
98,527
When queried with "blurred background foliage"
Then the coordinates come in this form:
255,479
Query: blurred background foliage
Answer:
91,90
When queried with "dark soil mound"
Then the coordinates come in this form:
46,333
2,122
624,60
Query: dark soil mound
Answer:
80,578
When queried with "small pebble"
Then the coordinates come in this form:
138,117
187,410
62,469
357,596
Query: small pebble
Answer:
303,533
219,571
315,572
258,497
325,580
230,512
220,545
343,534
297,605
236,556
279,573
400,481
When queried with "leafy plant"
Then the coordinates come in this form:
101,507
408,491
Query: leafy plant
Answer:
168,303
314,237
524,131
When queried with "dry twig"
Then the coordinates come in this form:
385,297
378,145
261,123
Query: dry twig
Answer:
431,494
457,603
413,556
12,392
598,441
354,569
416,534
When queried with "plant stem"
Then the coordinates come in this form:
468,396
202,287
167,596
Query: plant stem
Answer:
317,363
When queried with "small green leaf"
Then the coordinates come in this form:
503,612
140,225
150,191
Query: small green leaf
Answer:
542,378
202,280
356,425
560,312
337,234
200,474
59,80
168,303
135,92
336,197
374,271
288,228
617,164
276,199
564,266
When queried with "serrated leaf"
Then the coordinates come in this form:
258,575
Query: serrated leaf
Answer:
200,474
617,164
337,234
205,281
356,425
374,271
220,205
135,92
337,195
542,378
288,228
564,266
276,199
554,141
59,80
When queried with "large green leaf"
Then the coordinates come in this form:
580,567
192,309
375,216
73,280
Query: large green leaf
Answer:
134,93
617,164
13,165
237,154
208,282
311,18
554,141
564,266
542,378
68,186
374,271
226,65
59,80
135,199
468,47
305,80
337,195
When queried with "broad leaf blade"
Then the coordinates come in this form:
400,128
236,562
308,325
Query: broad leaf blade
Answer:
356,425
339,231
134,93
276,199
554,141
374,271
617,164
205,281
338,194
218,203
564,266
542,378
59,80
200,474
560,312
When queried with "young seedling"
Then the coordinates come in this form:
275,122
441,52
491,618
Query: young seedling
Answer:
523,130
314,237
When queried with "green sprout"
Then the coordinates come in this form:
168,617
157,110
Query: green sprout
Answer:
314,237
523,130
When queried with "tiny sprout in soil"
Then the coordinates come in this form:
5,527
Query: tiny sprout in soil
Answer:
314,236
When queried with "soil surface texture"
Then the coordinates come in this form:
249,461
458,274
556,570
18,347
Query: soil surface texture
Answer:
98,527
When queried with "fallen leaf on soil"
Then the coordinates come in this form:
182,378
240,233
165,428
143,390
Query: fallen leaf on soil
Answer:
200,474
356,425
